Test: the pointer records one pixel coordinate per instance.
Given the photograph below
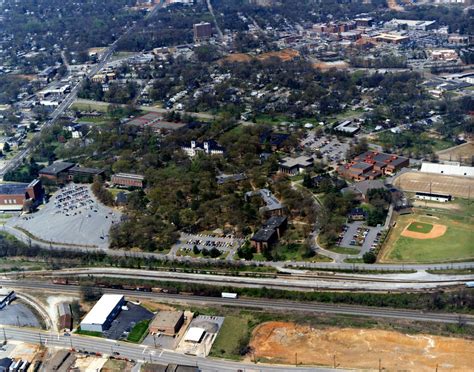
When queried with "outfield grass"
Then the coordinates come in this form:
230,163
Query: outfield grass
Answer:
233,335
420,227
138,332
457,244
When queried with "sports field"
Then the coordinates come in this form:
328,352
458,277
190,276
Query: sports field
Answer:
420,227
430,235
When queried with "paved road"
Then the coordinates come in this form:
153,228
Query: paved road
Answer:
267,304
137,352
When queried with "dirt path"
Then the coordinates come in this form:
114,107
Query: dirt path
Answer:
281,342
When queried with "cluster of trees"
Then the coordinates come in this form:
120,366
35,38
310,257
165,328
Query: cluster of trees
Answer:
101,193
116,93
379,202
26,173
76,26
336,206
11,87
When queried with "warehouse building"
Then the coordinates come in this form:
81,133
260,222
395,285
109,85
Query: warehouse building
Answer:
103,313
61,172
167,322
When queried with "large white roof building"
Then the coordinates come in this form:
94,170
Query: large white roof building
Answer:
451,169
103,313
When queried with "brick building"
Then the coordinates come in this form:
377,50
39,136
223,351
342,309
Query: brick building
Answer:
371,165
128,180
18,196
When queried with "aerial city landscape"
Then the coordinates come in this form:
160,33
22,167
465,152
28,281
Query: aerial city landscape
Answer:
236,185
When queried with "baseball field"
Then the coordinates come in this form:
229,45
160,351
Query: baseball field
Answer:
430,235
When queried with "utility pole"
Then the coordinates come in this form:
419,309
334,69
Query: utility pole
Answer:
334,360
380,365
296,359
4,336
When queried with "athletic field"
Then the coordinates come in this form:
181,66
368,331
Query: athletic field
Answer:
430,235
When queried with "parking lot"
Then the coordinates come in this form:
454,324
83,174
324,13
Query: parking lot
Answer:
72,216
357,235
225,244
330,147
19,315
126,320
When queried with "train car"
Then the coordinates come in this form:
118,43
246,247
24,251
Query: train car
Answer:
229,295
62,281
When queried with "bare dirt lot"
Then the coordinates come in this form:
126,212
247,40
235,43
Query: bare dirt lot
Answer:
441,184
360,348
285,55
462,153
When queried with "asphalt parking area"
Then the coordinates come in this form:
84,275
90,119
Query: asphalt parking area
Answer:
72,216
331,148
203,241
358,235
19,315
126,320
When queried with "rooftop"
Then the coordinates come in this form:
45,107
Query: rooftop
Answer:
130,175
300,161
264,234
166,318
56,168
194,334
13,188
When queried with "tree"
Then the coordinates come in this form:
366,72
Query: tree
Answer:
6,147
196,250
369,257
90,294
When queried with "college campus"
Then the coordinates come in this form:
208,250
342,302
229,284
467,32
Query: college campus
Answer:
221,185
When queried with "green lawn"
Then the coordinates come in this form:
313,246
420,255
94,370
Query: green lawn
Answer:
233,335
344,250
457,244
88,333
138,332
420,227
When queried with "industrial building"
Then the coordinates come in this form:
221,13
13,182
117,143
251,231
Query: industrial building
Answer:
167,322
103,313
19,196
443,198
6,296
